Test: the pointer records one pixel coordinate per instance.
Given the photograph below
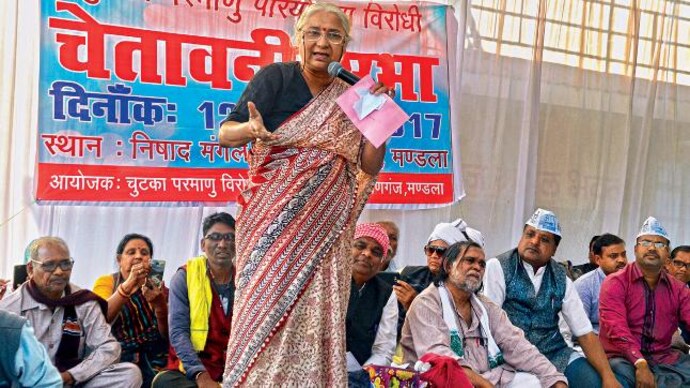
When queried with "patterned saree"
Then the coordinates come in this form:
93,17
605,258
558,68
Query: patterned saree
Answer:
295,224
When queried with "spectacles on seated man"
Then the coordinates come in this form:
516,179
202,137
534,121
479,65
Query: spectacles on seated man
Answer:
51,266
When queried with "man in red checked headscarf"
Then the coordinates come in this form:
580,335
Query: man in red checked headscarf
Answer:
372,313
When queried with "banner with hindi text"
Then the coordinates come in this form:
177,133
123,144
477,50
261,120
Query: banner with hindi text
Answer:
131,94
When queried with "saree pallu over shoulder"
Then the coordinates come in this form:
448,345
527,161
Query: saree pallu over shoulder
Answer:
294,227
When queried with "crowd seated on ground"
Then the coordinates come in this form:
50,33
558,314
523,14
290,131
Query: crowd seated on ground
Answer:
492,321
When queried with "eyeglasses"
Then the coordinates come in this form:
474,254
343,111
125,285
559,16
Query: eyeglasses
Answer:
51,266
679,264
657,244
473,260
228,237
431,249
334,37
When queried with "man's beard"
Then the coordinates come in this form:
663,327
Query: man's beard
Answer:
468,285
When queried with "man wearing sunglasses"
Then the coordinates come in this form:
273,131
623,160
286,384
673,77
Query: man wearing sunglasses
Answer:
417,278
640,308
200,311
533,289
68,321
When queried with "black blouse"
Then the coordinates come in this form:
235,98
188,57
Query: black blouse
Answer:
278,91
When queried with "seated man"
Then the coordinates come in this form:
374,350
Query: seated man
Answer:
372,312
389,264
678,266
450,319
578,270
24,362
609,256
640,308
68,321
200,309
533,289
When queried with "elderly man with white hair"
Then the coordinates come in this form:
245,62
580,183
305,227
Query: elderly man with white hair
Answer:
417,278
533,289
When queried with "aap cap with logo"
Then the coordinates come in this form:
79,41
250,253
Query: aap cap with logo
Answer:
546,221
652,227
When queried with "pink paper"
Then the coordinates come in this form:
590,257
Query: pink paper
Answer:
379,125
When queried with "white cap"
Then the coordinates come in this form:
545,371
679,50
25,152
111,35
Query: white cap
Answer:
546,221
456,231
652,227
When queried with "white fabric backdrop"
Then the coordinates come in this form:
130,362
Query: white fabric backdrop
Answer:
559,104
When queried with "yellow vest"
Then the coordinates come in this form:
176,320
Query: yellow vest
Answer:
200,299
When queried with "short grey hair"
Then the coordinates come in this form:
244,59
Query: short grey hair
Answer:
321,7
46,241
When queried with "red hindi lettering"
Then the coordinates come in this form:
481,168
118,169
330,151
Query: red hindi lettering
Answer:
94,63
406,78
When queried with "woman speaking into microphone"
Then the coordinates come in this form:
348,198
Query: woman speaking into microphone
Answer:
310,174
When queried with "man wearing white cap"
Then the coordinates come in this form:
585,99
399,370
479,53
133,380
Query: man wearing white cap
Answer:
640,308
418,278
533,289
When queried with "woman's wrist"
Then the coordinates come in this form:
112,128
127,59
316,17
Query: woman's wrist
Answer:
123,292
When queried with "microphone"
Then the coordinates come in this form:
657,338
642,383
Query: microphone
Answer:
335,69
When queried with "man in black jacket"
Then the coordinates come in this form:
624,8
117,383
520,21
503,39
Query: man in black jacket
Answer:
372,312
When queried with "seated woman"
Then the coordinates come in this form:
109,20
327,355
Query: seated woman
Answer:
137,307
450,319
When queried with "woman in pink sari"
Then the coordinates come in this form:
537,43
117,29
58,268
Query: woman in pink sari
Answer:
310,173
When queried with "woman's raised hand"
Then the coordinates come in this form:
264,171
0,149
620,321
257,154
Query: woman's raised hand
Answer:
137,278
256,124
